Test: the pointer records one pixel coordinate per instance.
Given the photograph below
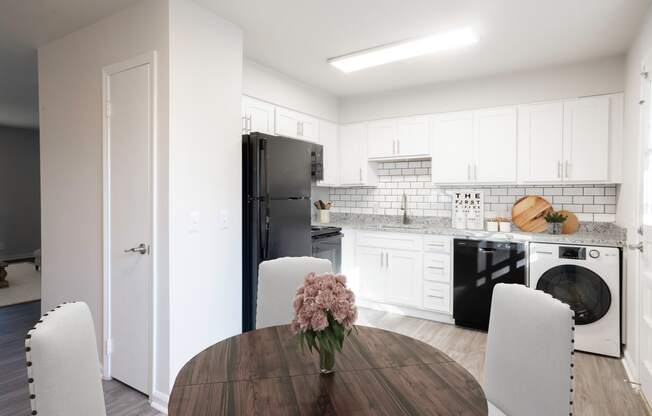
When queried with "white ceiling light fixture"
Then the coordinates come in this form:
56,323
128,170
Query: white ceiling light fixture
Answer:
404,50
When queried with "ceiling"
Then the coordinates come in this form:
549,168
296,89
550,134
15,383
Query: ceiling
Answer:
297,37
25,25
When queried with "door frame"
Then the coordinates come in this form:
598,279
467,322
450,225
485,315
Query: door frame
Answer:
150,59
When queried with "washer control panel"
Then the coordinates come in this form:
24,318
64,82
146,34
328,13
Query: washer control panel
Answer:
594,254
573,253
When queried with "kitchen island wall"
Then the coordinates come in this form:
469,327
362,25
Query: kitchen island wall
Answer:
589,202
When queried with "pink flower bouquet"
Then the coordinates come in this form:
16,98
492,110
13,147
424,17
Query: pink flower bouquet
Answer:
324,315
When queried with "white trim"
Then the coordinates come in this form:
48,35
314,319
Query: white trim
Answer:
441,317
630,368
159,401
151,60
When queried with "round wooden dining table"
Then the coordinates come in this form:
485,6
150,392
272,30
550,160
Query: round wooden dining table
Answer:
265,372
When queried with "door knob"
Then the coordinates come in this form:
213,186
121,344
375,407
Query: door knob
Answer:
638,246
142,249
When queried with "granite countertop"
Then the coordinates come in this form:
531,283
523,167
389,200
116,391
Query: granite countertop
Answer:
590,233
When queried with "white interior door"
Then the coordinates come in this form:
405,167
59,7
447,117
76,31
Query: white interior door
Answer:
129,223
645,256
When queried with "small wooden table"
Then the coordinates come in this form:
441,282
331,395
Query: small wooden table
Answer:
264,372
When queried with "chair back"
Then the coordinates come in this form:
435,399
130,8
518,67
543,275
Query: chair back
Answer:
63,367
529,353
278,281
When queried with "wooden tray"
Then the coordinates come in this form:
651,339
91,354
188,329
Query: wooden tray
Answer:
528,213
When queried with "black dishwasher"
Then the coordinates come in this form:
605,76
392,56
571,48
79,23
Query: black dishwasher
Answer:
478,266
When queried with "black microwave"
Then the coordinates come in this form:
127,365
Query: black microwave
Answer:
317,162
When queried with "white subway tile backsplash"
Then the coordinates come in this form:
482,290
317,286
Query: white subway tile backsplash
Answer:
588,202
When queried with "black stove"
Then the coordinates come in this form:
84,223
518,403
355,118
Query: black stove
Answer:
321,231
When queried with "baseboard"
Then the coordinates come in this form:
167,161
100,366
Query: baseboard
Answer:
630,368
160,402
405,310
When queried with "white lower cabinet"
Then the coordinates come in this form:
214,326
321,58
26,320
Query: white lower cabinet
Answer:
409,271
404,277
437,296
372,273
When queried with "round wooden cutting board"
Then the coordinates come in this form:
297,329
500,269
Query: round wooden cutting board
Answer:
528,213
571,225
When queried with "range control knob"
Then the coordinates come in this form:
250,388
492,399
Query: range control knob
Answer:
594,254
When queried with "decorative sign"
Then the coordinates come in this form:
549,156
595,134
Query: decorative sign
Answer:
468,210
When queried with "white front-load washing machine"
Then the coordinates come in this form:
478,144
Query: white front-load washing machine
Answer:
587,278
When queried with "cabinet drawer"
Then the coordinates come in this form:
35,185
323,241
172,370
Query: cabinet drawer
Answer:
400,241
437,267
436,296
437,243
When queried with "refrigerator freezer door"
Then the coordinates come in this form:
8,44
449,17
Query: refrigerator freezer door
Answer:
288,168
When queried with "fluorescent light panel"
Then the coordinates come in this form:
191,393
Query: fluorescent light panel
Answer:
404,50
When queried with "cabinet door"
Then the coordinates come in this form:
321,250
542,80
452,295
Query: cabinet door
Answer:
381,139
352,137
540,140
309,129
494,133
287,122
372,273
452,147
259,116
412,136
586,139
404,277
329,140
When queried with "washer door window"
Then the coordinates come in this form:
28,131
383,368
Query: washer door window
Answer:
583,290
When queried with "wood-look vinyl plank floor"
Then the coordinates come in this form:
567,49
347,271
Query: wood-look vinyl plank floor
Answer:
600,382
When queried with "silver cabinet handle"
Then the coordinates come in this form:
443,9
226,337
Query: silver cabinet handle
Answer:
244,124
468,172
567,169
559,169
435,296
639,246
386,260
475,171
436,267
398,146
248,123
142,249
393,147
381,259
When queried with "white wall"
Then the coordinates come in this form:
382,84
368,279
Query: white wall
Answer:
628,204
70,95
205,177
588,78
269,85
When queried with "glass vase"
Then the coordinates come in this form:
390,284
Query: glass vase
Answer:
326,361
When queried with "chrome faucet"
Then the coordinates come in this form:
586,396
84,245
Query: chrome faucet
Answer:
404,208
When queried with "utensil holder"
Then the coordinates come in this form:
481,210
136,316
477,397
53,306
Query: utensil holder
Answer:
324,216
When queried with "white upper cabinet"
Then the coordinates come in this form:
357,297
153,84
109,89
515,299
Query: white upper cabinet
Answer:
297,125
494,142
328,138
354,166
452,147
402,138
586,139
257,116
381,139
412,137
541,137
572,141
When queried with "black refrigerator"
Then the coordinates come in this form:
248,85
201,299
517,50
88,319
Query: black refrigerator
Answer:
276,184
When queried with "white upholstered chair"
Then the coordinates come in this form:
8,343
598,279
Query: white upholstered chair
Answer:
63,365
278,281
529,353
